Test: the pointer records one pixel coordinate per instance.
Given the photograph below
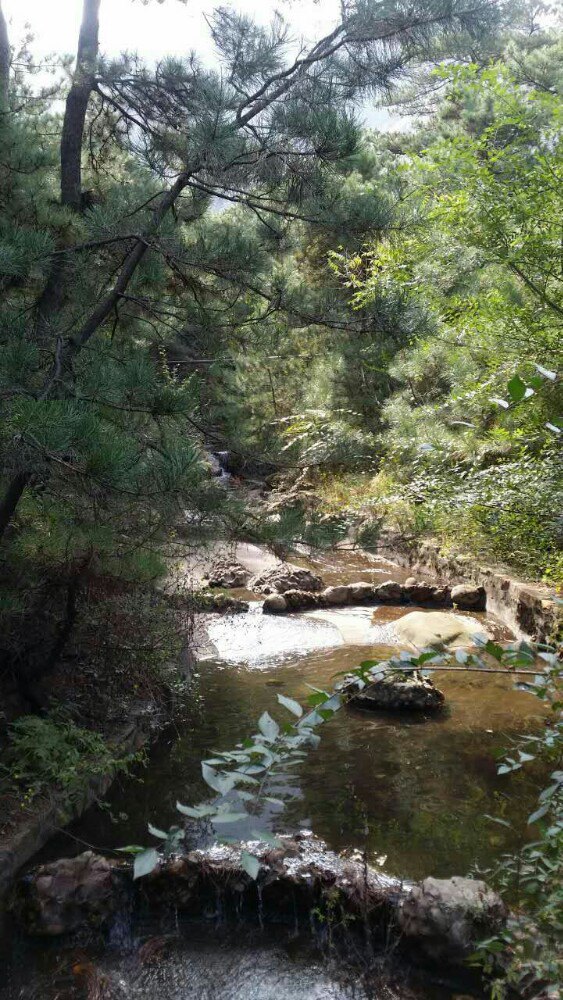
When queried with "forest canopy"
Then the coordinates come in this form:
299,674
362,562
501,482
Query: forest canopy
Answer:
198,258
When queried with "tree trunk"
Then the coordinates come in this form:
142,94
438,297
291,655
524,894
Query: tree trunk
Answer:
4,63
12,498
77,105
53,297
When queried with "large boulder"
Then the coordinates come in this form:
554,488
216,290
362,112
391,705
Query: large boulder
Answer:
395,692
445,918
469,597
422,629
65,895
228,573
285,577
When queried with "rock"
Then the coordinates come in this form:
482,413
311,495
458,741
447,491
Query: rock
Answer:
437,628
228,573
274,604
446,917
64,895
418,592
300,600
389,592
361,593
221,603
442,596
285,577
469,597
396,692
335,596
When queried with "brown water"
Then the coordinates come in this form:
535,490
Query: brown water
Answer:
412,792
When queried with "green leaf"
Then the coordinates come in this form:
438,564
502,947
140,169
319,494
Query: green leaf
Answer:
157,833
546,373
221,783
268,727
196,812
516,389
497,819
226,817
250,864
131,849
535,816
291,705
145,863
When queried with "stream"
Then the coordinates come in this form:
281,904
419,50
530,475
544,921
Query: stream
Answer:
412,793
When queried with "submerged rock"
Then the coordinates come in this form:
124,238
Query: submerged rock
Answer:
422,629
469,597
444,918
66,895
228,573
285,577
395,692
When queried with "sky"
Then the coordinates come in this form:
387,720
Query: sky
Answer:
156,29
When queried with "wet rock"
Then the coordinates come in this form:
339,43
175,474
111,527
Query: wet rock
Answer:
300,600
65,895
285,577
395,692
389,592
228,573
335,596
292,877
274,604
361,593
446,917
422,629
469,597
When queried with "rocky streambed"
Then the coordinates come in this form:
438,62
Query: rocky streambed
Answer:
409,792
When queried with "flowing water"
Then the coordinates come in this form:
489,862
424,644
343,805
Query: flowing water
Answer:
413,793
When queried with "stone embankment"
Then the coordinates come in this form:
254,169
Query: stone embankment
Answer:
465,597
296,877
529,609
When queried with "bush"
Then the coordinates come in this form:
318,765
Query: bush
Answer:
53,752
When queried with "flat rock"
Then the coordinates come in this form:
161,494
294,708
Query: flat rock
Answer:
431,628
285,577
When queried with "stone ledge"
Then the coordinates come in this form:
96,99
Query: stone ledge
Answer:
528,609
